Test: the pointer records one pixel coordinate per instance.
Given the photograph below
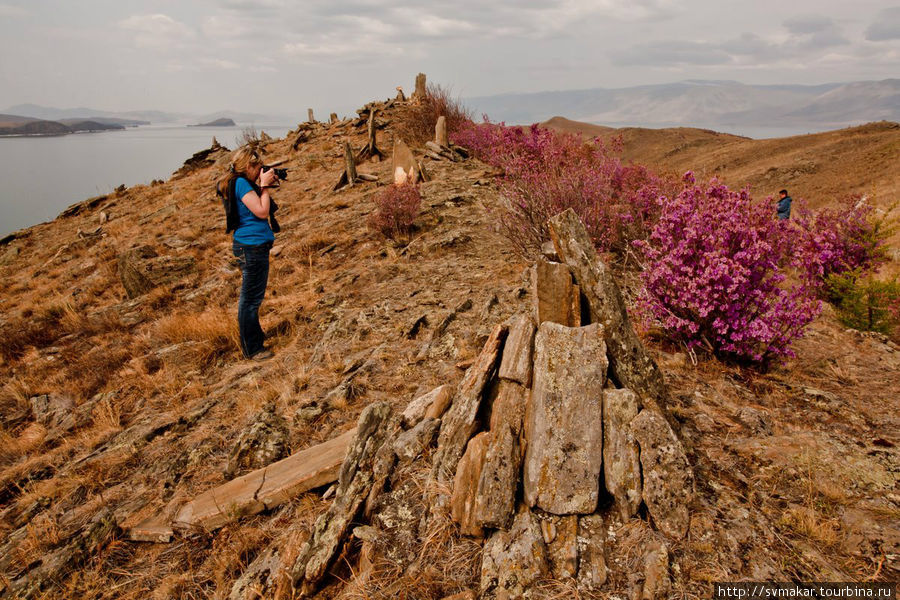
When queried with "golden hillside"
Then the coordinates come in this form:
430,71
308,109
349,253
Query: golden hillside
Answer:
115,409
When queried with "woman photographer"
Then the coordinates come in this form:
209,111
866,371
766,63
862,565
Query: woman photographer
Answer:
247,213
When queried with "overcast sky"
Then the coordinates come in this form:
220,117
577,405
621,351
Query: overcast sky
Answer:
280,57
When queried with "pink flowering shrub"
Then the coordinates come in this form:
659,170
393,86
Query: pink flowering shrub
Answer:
835,241
396,208
713,278
544,173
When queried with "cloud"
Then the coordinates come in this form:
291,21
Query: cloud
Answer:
886,26
808,39
219,63
7,10
809,24
157,30
672,53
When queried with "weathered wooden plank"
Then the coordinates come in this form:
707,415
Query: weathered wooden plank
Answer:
267,487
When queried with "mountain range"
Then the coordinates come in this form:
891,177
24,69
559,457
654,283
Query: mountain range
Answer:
721,105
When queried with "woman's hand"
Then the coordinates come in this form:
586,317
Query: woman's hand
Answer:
267,178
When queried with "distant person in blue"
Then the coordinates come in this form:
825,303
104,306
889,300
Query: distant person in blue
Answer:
784,205
248,206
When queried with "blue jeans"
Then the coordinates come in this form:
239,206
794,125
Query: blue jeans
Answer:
254,261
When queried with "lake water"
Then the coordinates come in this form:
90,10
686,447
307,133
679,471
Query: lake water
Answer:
42,176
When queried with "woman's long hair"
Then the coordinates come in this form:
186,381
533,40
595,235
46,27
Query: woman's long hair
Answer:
244,158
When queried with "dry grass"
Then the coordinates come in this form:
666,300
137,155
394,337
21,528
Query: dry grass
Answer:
211,334
807,522
419,119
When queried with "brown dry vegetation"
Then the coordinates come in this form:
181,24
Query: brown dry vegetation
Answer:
797,468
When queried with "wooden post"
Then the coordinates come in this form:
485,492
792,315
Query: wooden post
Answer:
309,112
401,97
349,163
333,118
371,150
348,177
440,133
420,87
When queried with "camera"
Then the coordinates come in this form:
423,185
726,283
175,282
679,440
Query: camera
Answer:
279,173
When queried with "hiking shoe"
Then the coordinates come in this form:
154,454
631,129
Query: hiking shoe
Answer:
262,355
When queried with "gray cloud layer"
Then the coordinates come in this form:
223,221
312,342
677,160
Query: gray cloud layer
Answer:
265,55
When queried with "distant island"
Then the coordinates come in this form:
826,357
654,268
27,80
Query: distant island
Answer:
15,125
223,122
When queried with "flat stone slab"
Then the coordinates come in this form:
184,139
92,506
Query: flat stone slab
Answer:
516,362
668,477
621,454
564,427
555,296
267,487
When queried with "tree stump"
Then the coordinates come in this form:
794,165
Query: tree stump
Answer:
440,132
421,91
333,118
309,113
348,177
371,150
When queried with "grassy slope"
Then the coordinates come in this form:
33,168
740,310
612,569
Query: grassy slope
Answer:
803,485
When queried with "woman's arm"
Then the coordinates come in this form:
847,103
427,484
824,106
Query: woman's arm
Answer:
259,204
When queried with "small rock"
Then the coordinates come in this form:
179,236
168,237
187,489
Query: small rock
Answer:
757,421
412,443
514,560
265,441
592,571
10,256
308,412
142,269
466,595
563,549
435,401
656,572
51,410
548,251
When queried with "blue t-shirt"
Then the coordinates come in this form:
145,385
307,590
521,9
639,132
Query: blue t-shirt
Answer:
252,230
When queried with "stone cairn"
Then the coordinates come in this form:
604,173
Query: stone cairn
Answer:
556,431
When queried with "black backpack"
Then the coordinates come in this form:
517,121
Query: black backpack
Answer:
225,192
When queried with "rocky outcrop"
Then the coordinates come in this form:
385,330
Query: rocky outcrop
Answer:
354,484
141,269
460,422
540,428
629,362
